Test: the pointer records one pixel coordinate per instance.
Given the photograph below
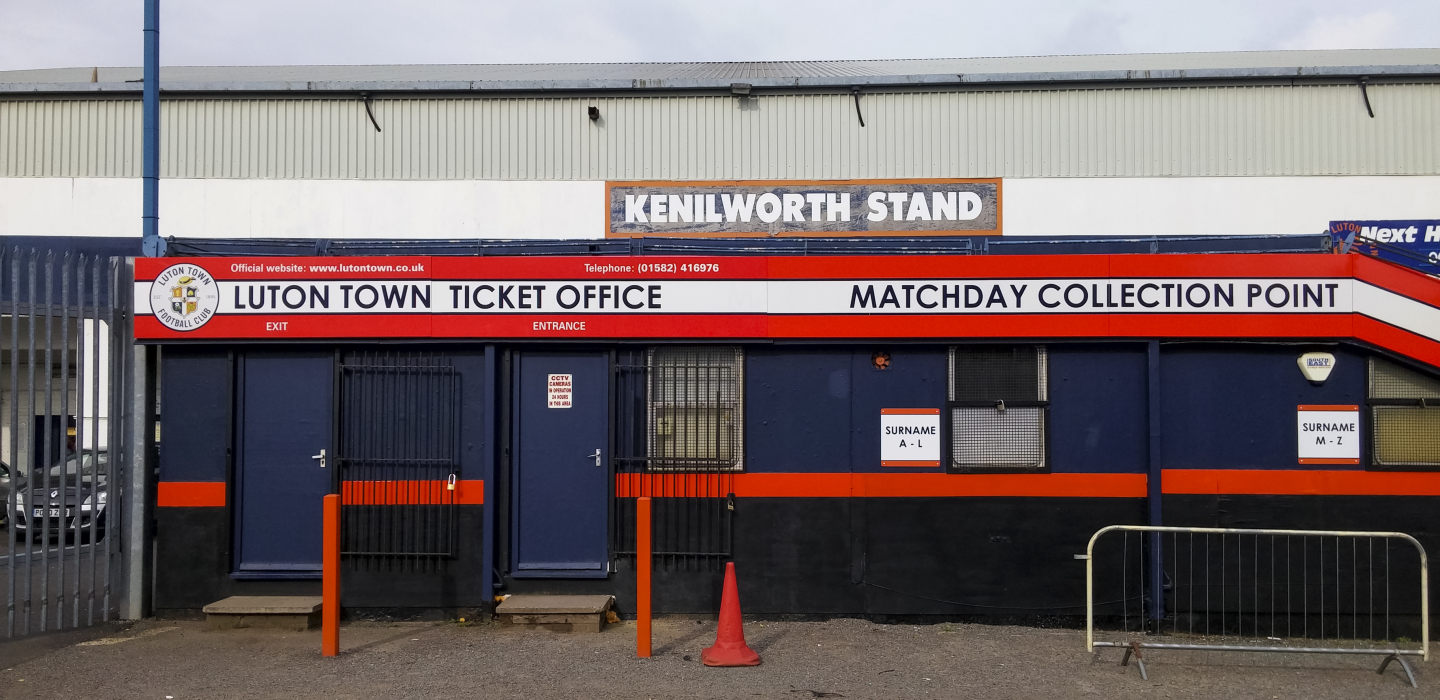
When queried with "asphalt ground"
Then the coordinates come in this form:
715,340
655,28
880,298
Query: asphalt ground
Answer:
168,660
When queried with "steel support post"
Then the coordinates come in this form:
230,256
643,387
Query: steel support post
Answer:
150,242
1154,493
489,410
139,499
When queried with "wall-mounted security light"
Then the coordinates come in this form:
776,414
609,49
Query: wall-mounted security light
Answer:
594,114
739,88
1316,366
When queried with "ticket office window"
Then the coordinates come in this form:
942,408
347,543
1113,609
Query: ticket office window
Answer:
998,405
695,408
1404,407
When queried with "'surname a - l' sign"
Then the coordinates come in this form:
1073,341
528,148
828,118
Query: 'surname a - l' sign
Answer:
909,437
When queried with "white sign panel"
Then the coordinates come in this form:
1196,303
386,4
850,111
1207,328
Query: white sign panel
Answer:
559,391
909,437
1328,434
776,297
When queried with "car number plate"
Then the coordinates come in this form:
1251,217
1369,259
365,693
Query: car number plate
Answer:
53,513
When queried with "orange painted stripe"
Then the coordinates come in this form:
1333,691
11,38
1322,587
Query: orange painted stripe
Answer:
821,485
190,494
1322,407
1297,482
392,493
882,485
909,411
1040,485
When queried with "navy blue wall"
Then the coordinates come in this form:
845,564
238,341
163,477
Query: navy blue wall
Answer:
797,410
810,410
1098,405
1233,407
194,414
916,379
814,410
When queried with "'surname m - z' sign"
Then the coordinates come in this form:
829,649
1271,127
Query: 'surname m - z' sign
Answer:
1328,434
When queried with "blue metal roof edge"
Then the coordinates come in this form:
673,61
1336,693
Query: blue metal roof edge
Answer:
954,245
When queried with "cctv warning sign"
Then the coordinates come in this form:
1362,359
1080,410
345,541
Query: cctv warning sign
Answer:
558,390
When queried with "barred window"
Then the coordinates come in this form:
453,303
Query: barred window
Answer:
1404,417
695,408
998,404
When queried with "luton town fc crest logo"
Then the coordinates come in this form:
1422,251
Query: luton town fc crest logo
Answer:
183,297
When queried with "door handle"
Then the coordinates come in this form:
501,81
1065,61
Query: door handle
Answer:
320,457
596,456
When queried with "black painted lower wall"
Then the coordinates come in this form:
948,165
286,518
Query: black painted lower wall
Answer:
193,569
1009,556
1006,557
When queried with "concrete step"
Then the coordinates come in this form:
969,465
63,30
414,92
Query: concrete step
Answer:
558,613
288,612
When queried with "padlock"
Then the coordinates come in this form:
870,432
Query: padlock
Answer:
450,485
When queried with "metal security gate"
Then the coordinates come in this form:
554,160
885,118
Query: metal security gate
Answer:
398,458
678,441
64,339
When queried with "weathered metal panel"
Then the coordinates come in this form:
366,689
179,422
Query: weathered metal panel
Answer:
1119,132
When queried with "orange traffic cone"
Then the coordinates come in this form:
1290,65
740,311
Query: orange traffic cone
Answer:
730,649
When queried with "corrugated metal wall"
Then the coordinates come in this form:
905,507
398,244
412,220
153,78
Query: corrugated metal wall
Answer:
1190,131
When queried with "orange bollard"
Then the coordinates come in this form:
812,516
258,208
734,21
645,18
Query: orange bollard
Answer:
642,577
330,585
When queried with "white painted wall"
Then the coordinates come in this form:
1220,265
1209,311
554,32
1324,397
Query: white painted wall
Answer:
86,353
1178,206
445,209
429,209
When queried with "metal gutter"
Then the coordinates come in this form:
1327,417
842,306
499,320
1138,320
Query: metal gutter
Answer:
665,84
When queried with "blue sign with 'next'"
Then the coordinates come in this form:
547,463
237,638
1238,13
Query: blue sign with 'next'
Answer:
1418,238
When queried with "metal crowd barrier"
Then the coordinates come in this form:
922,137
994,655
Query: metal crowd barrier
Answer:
1261,590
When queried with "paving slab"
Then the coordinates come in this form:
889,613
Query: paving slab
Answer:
266,605
531,604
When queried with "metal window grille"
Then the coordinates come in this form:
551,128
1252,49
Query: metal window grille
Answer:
694,409
1405,417
998,406
678,427
398,456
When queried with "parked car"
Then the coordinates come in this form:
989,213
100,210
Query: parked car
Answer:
68,508
4,494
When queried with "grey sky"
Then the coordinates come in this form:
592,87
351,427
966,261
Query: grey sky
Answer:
60,33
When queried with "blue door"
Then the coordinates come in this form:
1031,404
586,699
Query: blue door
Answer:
284,410
562,481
